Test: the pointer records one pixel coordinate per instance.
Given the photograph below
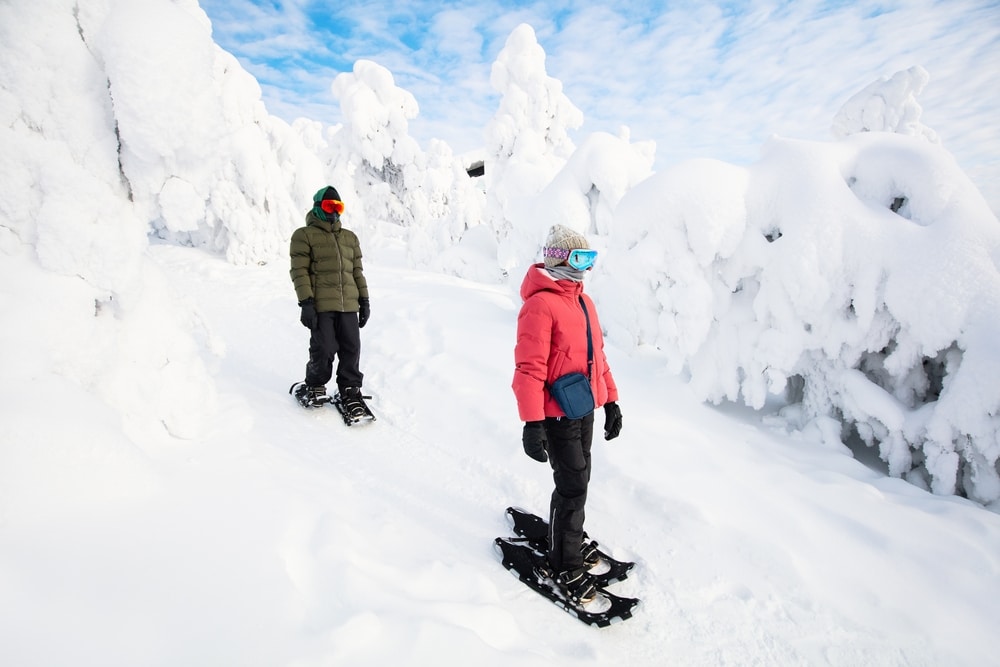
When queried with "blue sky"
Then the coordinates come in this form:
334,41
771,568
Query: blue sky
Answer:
702,79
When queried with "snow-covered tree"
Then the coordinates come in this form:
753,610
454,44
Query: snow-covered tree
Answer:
858,281
157,132
456,209
887,105
527,141
374,143
423,195
225,175
583,195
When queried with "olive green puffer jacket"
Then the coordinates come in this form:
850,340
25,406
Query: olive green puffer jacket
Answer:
326,265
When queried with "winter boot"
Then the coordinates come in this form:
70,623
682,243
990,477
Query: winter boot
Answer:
578,586
591,558
310,396
352,402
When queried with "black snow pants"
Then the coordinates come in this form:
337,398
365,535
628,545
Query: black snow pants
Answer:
568,448
335,335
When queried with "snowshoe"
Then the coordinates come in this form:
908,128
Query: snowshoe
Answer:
309,396
532,568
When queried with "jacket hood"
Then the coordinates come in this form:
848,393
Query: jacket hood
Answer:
537,279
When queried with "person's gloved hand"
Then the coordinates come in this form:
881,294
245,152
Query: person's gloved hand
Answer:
533,439
365,311
308,316
612,420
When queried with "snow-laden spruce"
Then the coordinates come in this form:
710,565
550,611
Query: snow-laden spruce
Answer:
201,158
887,105
396,189
527,144
855,279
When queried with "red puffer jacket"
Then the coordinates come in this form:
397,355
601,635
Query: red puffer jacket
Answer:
552,341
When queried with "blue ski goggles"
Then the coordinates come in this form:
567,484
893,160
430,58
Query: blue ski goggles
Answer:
581,260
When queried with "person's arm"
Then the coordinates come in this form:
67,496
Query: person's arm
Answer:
301,257
531,358
359,273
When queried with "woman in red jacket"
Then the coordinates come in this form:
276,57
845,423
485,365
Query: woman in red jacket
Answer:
553,328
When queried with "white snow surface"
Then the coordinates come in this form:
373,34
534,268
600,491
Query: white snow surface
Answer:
282,537
805,349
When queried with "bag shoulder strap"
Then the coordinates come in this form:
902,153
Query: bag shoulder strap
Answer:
590,340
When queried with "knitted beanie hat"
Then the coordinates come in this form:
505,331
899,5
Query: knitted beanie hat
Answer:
561,240
329,192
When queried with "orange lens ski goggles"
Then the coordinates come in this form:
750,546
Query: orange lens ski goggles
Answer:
332,206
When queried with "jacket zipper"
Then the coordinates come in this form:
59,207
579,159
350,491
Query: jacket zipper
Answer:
340,255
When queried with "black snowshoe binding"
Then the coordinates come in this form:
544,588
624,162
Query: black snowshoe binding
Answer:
309,396
351,404
577,585
591,555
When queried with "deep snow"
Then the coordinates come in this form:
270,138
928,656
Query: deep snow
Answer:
281,537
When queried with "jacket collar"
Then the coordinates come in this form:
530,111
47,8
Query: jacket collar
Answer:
537,279
314,220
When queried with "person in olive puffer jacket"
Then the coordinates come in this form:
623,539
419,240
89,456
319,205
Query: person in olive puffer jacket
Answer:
332,292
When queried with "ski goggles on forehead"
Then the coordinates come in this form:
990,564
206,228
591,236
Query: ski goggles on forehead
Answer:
332,206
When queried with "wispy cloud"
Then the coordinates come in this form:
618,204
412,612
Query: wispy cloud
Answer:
701,79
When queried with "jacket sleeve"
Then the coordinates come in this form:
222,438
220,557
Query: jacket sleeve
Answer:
301,255
359,273
531,355
609,381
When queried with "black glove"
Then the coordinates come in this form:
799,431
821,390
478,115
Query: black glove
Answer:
533,439
364,312
308,316
612,420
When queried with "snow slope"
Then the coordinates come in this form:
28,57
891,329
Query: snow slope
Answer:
281,537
